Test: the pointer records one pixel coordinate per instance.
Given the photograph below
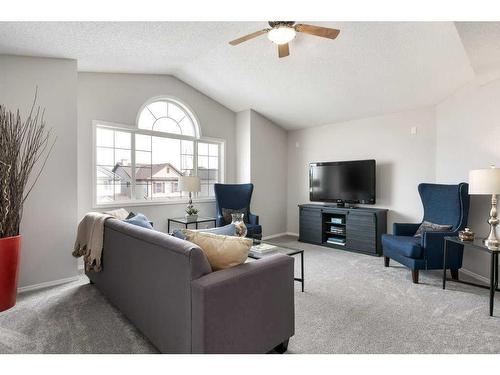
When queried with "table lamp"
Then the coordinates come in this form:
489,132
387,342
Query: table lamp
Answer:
487,182
189,184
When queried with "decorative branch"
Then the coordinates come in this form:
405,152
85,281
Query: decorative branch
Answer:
25,147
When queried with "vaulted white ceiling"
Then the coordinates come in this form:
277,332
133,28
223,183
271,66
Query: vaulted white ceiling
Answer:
370,69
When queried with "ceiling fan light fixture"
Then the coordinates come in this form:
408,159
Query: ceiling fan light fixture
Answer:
281,34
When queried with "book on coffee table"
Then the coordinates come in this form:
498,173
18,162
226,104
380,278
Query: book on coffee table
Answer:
263,248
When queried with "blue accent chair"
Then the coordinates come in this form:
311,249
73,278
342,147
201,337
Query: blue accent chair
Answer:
237,196
443,204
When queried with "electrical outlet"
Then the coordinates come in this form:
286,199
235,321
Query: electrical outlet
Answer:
413,130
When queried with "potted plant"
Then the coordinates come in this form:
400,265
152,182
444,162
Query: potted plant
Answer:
25,145
191,213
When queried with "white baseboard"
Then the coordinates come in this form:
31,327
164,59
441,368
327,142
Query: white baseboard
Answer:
274,236
475,275
47,284
279,235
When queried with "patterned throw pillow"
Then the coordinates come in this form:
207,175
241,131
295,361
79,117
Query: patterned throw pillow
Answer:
227,212
427,226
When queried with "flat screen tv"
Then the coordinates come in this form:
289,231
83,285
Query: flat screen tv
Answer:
342,182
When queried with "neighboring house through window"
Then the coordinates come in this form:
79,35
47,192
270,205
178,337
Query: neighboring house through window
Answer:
143,163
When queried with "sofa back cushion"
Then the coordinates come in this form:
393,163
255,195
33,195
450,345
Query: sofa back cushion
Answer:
147,275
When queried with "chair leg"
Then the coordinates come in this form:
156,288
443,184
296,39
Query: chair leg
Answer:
454,274
386,261
414,276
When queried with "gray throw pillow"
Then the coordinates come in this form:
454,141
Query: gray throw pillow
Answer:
427,226
227,212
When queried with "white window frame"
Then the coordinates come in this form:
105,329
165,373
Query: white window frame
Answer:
133,129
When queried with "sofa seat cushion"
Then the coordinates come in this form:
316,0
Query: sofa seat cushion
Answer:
222,251
405,245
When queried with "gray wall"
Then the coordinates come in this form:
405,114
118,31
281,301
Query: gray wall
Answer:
403,160
50,214
261,159
269,173
118,98
468,137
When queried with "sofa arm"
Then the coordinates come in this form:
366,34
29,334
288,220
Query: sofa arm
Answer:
404,229
244,309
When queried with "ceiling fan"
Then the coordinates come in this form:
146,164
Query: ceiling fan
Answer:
282,32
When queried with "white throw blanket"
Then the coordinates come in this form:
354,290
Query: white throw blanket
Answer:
90,237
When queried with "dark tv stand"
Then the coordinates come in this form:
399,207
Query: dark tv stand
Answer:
354,229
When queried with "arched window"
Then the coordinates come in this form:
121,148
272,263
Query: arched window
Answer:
168,116
144,162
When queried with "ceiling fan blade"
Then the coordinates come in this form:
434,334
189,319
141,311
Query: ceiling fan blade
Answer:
248,37
324,32
283,50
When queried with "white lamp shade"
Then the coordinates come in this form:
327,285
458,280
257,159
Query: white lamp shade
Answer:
189,184
484,181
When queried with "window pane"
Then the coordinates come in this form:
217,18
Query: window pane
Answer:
122,191
187,147
203,162
204,190
146,120
123,157
104,137
187,126
122,140
213,163
203,149
187,162
104,193
142,191
175,112
159,109
142,158
213,150
105,156
142,142
166,125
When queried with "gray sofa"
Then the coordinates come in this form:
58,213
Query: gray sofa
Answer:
166,288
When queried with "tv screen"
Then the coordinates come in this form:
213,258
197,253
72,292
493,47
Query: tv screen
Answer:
343,181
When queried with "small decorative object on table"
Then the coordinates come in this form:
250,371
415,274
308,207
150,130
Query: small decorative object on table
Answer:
241,228
190,184
191,214
466,235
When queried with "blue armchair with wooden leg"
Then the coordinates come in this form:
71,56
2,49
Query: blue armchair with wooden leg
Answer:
443,204
236,197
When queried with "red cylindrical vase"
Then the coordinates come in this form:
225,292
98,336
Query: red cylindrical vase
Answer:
9,271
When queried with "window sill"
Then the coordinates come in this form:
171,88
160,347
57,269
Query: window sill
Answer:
150,203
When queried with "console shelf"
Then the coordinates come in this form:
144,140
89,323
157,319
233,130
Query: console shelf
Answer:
352,229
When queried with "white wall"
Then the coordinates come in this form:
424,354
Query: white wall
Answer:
468,137
269,173
243,149
50,214
403,160
118,98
